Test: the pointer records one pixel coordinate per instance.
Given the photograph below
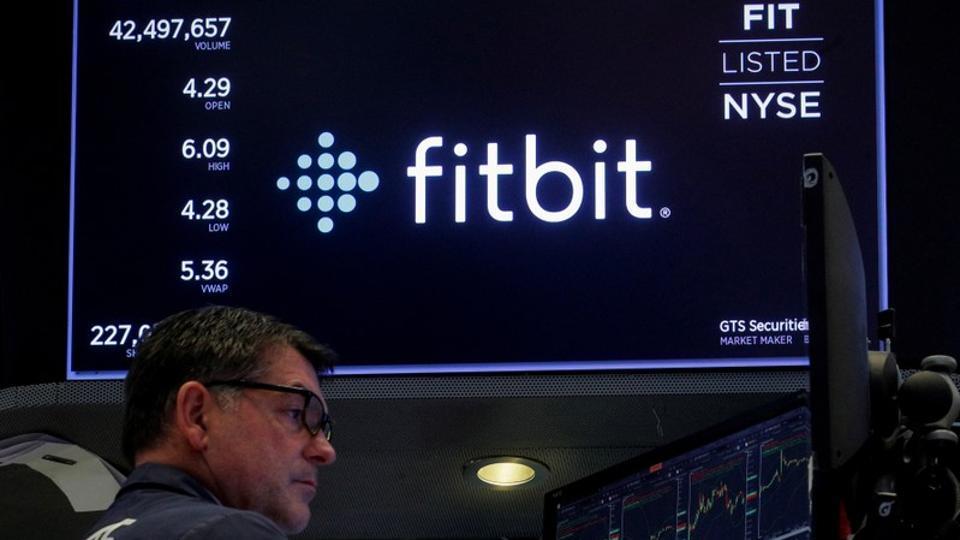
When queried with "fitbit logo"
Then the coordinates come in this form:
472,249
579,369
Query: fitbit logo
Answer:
330,182
334,189
534,170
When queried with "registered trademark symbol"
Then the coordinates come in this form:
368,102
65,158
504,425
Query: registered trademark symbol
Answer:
665,212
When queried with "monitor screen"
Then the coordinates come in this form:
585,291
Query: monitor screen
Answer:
748,478
446,186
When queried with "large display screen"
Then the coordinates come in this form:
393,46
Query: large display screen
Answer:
441,186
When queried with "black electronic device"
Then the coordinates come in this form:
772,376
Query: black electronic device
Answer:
837,310
884,453
915,491
747,477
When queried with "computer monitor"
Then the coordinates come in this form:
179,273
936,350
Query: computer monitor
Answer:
748,477
839,367
837,310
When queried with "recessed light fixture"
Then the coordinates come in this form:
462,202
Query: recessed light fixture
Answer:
504,471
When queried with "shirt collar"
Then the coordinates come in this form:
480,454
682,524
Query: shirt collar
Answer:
159,476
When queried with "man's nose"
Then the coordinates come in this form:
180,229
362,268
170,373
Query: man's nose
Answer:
320,451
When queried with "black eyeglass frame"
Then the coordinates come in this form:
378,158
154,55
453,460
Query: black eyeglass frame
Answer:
326,422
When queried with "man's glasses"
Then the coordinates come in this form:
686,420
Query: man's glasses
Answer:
314,415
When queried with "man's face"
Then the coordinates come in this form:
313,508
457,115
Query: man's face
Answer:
260,455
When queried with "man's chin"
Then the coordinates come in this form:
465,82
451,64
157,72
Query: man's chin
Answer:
295,519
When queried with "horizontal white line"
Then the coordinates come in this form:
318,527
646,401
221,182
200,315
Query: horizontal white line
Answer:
768,83
775,40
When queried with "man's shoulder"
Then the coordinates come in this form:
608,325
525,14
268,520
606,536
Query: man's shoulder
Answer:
233,525
160,502
206,521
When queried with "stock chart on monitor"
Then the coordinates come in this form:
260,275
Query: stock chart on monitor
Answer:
752,484
442,186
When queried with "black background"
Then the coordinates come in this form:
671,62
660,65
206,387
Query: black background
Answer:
923,231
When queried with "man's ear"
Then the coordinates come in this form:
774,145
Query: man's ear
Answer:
191,414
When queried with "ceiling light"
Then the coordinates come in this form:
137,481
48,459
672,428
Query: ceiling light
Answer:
504,471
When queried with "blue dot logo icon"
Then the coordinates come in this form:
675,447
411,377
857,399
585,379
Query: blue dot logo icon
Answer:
333,177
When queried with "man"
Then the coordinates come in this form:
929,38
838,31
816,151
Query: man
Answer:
225,425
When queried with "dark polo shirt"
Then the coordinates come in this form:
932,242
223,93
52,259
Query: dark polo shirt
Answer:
160,502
